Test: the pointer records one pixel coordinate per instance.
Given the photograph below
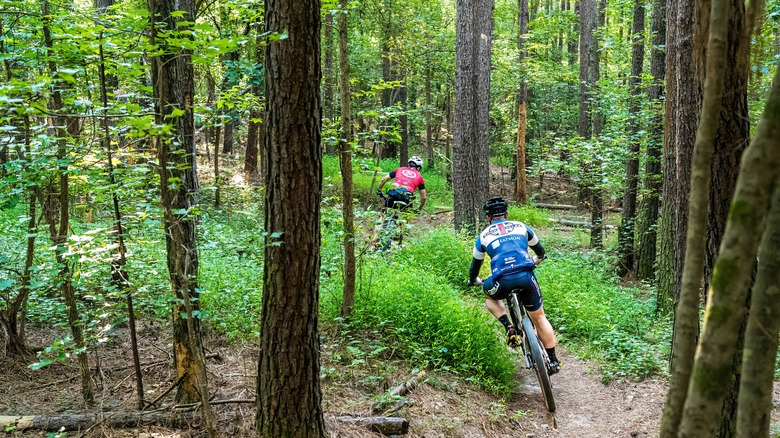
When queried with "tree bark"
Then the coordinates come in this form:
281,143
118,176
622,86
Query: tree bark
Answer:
597,119
289,397
626,248
732,273
174,90
472,102
683,100
760,351
346,165
522,101
686,315
653,169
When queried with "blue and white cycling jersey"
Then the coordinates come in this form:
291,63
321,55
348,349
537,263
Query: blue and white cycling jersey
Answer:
506,242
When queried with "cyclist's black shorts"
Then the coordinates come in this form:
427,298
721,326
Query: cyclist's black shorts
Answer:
530,294
399,198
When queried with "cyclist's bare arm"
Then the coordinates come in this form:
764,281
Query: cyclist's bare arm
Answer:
384,181
422,199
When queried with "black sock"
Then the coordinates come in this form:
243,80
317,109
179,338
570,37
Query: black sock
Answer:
551,354
504,319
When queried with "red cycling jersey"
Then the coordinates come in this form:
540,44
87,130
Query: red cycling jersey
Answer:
408,178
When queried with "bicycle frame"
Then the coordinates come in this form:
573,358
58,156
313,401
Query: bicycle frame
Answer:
533,349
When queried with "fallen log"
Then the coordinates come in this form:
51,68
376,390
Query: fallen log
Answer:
384,425
84,421
573,207
570,223
399,391
556,206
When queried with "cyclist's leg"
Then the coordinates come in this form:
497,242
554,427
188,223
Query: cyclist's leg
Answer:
494,296
531,297
543,327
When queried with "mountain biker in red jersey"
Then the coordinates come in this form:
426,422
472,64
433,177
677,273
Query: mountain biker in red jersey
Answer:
507,243
405,181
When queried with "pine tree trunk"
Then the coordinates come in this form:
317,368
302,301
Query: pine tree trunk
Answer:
730,142
626,248
346,166
653,169
289,397
522,102
683,101
472,101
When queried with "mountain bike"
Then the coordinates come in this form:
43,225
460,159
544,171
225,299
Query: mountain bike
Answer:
391,226
533,350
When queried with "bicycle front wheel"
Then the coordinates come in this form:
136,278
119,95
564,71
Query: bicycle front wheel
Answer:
539,366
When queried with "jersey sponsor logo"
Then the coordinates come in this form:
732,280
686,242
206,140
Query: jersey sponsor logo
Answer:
408,173
502,228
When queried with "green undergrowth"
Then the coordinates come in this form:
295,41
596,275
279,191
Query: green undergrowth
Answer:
410,296
600,319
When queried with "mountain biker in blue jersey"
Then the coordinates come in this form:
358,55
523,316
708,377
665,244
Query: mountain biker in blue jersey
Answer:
507,243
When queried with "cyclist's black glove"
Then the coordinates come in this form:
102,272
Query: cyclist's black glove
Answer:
379,192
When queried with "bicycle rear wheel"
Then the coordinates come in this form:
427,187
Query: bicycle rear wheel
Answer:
539,366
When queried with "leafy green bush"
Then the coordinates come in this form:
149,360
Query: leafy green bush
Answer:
432,325
529,215
587,306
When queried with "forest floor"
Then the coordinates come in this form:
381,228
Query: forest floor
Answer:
441,406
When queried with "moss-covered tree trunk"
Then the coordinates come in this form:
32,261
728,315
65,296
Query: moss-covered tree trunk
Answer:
687,312
761,338
731,276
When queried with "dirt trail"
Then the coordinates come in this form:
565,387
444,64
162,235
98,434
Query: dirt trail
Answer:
588,408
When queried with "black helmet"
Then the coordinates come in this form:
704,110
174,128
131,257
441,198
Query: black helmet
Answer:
495,207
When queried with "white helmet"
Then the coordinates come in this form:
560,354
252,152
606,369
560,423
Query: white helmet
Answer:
416,161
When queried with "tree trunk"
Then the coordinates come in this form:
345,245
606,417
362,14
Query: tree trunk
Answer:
328,102
731,140
653,170
683,101
626,249
289,401
389,148
229,122
760,352
174,90
403,154
522,100
346,165
472,102
597,119
58,227
677,412
732,273
428,118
